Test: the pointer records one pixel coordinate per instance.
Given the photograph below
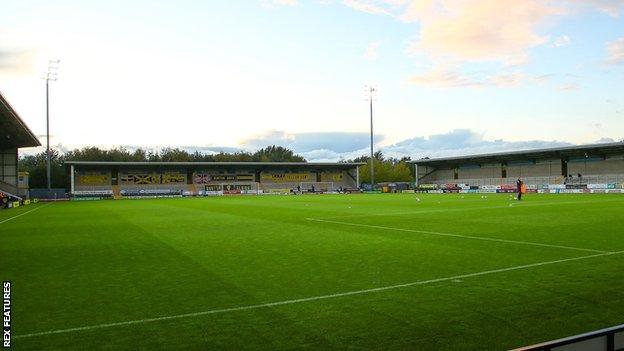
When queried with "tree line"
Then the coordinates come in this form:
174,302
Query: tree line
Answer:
386,169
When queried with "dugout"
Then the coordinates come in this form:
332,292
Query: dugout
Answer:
14,134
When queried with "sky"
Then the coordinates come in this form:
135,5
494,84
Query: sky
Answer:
453,77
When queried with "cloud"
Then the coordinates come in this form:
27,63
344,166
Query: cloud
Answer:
369,6
372,51
568,87
440,77
323,155
615,52
479,30
444,78
334,146
461,142
610,7
454,143
543,78
16,61
339,142
563,40
455,32
275,3
506,79
459,32
209,149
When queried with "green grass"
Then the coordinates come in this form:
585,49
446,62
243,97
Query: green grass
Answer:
82,264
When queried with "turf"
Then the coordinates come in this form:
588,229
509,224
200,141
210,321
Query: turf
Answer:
88,264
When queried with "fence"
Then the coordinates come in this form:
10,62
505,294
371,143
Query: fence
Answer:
54,193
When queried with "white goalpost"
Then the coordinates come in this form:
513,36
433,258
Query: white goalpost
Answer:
317,186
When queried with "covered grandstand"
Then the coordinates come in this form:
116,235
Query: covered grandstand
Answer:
137,179
583,168
14,134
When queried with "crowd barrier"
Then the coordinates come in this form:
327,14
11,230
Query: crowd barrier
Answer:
92,194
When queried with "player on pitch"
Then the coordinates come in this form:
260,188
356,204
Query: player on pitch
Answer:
520,188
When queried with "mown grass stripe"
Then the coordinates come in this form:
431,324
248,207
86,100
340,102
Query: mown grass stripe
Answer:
456,235
309,299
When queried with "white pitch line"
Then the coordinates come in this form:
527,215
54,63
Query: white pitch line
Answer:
313,298
516,205
457,235
21,214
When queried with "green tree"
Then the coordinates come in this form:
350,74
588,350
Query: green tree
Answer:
386,169
275,153
36,164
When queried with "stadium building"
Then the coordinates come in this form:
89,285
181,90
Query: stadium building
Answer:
14,134
592,168
132,179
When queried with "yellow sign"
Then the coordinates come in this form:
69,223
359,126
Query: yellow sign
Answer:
93,179
245,178
173,178
286,177
331,177
140,178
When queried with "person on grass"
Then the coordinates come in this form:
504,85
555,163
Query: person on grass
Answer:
519,185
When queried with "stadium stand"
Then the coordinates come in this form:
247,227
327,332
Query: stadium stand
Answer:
596,168
148,179
14,134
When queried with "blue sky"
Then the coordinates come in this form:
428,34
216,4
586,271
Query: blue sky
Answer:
482,75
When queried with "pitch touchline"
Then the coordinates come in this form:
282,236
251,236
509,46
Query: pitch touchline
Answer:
457,235
21,214
313,298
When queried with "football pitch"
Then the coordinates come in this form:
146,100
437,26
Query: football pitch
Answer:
374,271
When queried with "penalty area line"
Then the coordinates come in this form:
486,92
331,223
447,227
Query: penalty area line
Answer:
312,298
457,235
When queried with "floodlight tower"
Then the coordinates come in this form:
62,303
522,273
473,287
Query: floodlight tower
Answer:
50,75
371,91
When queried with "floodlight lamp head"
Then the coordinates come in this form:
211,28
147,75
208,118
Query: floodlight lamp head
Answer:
370,92
52,73
50,76
53,64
